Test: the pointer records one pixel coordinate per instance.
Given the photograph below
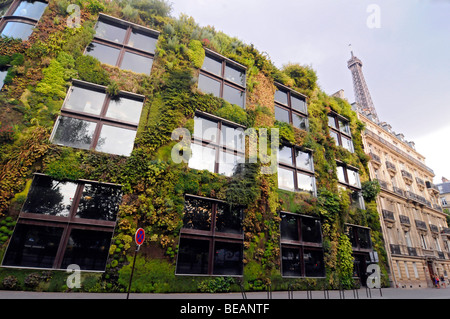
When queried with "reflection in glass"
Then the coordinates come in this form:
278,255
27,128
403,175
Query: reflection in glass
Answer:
136,63
353,178
285,155
281,97
331,121
104,53
111,32
364,237
281,114
204,129
88,249
3,73
197,214
298,104
73,132
290,262
347,143
311,230
116,140
335,136
300,122
314,266
192,256
344,127
228,163
208,85
232,138
17,30
228,259
33,246
202,158
99,202
305,183
234,96
30,9
124,109
289,227
142,41
212,65
50,197
85,100
303,160
235,74
229,218
340,174
285,179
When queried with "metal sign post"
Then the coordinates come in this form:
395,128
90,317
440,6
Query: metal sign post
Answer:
139,238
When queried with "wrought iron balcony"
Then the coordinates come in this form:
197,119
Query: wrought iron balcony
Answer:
395,249
391,166
421,225
388,215
375,157
434,228
420,181
407,175
398,191
405,220
412,251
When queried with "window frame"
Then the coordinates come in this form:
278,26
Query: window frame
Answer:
8,17
289,108
297,169
222,77
101,119
218,145
340,133
354,230
67,224
212,236
300,245
124,47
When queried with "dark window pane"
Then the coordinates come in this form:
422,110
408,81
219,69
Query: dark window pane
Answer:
50,197
235,74
88,249
208,85
305,183
111,32
285,155
104,53
124,109
311,230
289,227
30,9
99,202
85,100
300,122
192,256
290,262
229,218
364,238
116,140
136,63
314,266
17,30
212,65
73,132
234,96
281,115
202,158
281,97
285,179
351,236
303,160
228,259
142,41
298,104
33,246
197,214
205,130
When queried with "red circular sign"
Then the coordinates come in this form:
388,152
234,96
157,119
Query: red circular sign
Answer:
139,237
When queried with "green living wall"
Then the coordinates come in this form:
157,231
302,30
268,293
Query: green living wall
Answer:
154,186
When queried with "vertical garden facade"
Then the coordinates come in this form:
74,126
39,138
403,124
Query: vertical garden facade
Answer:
116,115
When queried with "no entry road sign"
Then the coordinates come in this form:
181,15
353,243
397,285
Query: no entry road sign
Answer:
139,237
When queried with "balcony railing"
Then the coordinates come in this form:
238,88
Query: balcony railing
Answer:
398,191
405,220
375,157
388,215
420,181
395,249
434,228
407,174
412,251
421,224
391,166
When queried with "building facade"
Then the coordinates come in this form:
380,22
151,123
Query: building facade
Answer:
444,193
94,152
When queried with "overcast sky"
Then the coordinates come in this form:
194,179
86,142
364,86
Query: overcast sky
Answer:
404,46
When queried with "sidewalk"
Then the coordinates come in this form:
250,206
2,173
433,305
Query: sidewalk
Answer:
386,293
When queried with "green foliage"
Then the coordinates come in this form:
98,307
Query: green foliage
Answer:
196,53
345,261
370,190
90,70
217,284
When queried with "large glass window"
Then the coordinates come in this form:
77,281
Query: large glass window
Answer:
290,107
295,170
211,240
63,223
301,246
20,19
359,237
348,176
223,78
340,131
217,145
90,119
122,44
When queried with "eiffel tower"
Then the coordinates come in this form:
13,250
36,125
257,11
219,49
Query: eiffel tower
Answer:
362,95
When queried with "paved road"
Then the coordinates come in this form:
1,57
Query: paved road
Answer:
386,293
